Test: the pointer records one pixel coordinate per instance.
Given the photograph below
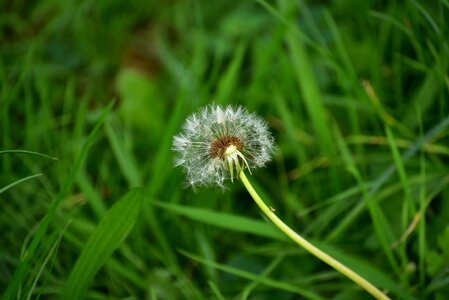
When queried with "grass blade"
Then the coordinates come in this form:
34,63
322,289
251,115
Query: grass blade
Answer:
369,271
28,152
281,285
107,237
23,266
229,79
380,181
313,101
5,188
124,158
224,220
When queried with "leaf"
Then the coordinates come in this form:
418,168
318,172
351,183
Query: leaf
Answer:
262,279
3,189
28,152
370,272
443,241
23,266
224,220
107,237
435,262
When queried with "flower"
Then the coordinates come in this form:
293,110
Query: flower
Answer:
217,141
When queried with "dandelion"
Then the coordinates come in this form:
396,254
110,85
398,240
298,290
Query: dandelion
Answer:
222,142
219,142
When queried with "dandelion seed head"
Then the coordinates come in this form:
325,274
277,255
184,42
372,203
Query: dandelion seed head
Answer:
217,143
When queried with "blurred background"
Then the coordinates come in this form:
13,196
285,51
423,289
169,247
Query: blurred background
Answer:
355,94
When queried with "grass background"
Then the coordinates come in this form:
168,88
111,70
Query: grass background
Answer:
91,93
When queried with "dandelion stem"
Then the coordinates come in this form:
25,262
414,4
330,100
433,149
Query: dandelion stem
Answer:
375,292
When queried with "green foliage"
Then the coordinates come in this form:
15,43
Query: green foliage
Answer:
110,233
223,220
356,95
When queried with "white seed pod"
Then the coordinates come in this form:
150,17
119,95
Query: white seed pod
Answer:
218,141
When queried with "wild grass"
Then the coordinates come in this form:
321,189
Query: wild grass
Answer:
91,94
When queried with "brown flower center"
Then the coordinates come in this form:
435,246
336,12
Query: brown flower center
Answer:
219,146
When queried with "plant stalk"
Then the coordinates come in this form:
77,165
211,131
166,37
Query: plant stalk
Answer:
362,282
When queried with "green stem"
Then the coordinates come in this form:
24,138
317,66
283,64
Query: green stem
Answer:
375,292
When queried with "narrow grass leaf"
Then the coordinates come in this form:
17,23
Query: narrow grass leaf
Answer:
380,181
124,158
28,152
313,101
368,271
380,223
224,220
5,188
290,127
47,259
424,97
161,173
23,266
214,288
281,285
409,208
91,193
422,236
229,79
107,237
347,75
246,292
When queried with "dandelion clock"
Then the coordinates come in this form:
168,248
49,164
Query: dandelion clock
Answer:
220,143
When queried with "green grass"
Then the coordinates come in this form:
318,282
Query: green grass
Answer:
356,96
